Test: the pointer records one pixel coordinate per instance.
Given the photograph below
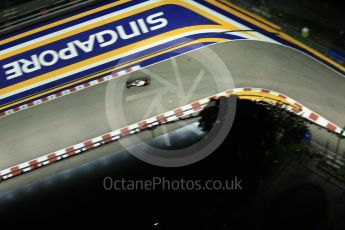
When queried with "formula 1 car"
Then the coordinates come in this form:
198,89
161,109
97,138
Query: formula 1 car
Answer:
138,82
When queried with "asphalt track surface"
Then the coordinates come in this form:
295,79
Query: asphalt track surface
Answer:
108,106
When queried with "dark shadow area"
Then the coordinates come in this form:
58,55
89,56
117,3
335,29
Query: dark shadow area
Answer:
301,207
264,152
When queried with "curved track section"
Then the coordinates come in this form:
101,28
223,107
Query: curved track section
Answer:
83,115
170,116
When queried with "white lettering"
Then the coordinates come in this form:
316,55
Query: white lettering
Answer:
153,19
104,38
134,28
143,26
16,71
30,66
69,52
86,46
45,61
101,40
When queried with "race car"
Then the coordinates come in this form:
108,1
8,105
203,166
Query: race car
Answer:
138,82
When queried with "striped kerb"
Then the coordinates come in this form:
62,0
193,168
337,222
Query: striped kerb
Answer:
124,132
106,138
331,126
52,157
296,108
15,170
33,164
282,96
70,151
196,106
161,118
178,112
143,125
88,144
229,92
313,116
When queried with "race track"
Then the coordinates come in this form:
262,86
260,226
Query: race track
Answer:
99,109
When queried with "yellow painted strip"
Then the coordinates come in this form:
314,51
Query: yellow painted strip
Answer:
76,31
120,2
254,98
262,96
264,99
186,5
251,34
112,19
281,35
241,15
116,68
104,56
205,40
316,53
257,17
